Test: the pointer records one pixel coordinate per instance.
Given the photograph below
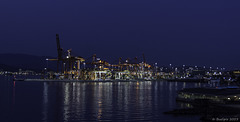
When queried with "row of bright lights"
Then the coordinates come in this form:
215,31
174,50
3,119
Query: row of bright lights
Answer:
203,67
169,64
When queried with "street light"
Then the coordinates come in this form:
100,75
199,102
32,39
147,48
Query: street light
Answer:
84,65
47,62
183,69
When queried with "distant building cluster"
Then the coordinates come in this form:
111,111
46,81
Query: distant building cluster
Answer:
197,73
101,70
20,72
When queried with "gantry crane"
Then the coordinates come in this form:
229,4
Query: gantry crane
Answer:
66,59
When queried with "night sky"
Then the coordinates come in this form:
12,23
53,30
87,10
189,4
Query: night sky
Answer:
167,31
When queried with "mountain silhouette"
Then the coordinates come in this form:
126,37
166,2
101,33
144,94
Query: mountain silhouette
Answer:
14,62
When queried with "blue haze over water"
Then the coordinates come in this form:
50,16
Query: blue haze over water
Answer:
90,101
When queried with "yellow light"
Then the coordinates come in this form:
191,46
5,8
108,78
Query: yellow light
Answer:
236,72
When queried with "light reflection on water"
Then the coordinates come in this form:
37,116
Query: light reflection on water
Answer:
101,101
90,101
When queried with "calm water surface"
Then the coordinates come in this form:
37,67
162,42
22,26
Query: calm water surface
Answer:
90,101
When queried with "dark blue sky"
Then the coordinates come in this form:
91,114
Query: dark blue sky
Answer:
167,31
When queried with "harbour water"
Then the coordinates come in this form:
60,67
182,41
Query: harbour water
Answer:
23,101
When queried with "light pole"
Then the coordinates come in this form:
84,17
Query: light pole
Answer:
64,65
84,65
156,67
170,67
45,73
47,62
183,70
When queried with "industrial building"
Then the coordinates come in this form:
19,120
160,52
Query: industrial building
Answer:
78,68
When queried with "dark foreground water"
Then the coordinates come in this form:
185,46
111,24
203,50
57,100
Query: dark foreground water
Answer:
90,101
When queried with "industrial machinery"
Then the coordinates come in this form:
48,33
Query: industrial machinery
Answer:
96,69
